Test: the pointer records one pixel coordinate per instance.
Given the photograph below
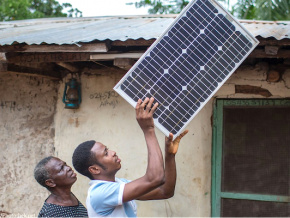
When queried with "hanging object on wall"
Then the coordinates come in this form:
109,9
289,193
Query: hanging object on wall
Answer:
72,94
187,64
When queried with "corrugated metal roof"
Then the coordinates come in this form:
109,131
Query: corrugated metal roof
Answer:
266,29
75,30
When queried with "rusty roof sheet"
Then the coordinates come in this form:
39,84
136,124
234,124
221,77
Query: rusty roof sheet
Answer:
88,29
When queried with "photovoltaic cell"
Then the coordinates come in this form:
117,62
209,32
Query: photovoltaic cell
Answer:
185,67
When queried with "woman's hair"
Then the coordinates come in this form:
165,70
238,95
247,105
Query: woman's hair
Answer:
41,174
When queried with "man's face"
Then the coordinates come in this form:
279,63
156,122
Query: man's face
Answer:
106,157
60,173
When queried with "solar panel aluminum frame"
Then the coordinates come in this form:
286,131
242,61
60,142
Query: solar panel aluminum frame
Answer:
230,18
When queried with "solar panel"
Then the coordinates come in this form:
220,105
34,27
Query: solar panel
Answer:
187,64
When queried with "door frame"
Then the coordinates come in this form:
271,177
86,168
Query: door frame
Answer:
216,193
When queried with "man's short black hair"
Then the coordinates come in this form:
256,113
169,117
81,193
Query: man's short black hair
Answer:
41,174
83,158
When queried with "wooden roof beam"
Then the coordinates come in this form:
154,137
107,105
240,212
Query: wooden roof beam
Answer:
93,47
124,63
3,62
31,71
19,57
133,42
273,41
113,56
69,67
268,53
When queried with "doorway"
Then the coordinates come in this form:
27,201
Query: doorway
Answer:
251,158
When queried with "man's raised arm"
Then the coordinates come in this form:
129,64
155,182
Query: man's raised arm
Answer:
167,189
154,176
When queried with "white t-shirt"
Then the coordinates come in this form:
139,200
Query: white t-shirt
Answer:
105,199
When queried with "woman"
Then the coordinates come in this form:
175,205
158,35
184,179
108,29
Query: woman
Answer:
53,174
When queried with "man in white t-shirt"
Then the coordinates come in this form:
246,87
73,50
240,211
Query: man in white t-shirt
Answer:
109,196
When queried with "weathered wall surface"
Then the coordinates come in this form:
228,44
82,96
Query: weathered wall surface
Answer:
27,108
255,77
27,135
106,117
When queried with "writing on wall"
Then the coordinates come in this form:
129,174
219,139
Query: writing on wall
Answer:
107,98
13,106
10,105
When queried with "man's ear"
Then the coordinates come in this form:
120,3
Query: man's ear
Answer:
94,170
50,183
